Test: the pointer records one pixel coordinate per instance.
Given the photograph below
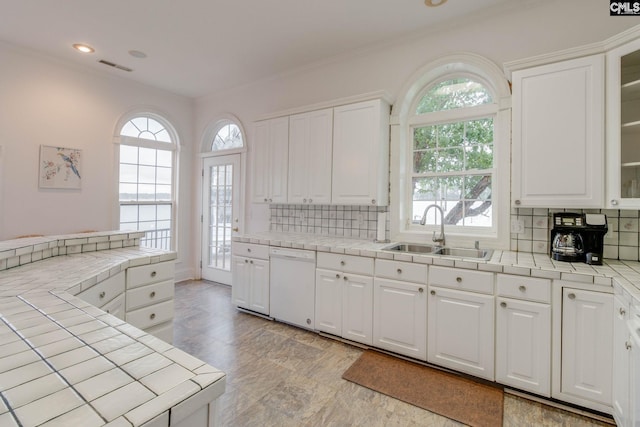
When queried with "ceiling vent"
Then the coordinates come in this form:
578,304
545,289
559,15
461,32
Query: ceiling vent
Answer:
111,64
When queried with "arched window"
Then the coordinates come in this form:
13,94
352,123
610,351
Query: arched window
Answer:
453,151
228,136
146,179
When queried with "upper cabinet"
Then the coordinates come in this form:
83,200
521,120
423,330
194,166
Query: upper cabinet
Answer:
271,141
310,143
623,126
558,134
361,154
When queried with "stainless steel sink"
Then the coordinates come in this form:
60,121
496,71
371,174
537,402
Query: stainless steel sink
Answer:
466,253
416,248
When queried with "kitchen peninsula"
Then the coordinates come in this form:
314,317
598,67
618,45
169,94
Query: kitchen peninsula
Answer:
63,361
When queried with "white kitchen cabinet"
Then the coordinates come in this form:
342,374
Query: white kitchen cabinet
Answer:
149,298
634,364
523,333
460,327
558,122
250,284
344,296
586,347
623,126
400,308
360,174
622,346
270,160
310,145
103,293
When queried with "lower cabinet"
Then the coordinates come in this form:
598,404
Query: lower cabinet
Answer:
250,289
523,333
149,299
344,305
621,361
586,348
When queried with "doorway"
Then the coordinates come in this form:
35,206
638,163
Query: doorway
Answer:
221,215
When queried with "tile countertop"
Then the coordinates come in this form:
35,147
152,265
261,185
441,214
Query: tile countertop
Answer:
627,273
64,362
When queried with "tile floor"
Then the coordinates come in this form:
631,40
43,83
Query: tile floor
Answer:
278,375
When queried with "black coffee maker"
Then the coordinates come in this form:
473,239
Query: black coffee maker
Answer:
578,237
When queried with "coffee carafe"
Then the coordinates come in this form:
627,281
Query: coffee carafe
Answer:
578,237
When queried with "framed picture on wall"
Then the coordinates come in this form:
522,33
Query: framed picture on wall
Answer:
60,167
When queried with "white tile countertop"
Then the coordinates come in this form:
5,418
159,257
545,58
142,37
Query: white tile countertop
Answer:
64,362
519,263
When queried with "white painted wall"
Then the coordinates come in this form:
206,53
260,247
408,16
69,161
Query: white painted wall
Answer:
46,102
525,29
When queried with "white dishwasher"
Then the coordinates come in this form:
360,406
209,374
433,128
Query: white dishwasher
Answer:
293,286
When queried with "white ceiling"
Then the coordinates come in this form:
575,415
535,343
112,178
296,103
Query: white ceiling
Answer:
197,47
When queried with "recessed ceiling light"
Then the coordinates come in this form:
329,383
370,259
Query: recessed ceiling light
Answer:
84,48
434,3
137,54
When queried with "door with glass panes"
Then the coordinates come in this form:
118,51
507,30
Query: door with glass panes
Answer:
221,215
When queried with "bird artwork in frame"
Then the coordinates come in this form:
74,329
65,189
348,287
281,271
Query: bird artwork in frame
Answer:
60,167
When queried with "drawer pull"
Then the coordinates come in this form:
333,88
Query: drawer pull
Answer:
153,274
503,304
399,271
458,279
433,292
152,294
248,249
152,316
345,278
251,262
246,261
572,296
622,311
337,276
522,288
102,294
342,263
627,344
421,290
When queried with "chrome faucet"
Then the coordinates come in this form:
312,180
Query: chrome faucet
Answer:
439,240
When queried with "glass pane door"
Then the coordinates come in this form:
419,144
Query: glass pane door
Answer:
221,189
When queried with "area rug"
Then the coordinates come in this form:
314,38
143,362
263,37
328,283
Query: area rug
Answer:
446,394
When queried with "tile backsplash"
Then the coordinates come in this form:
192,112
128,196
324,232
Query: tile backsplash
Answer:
332,220
620,242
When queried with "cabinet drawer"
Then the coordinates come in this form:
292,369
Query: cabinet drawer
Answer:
115,307
152,273
251,250
103,292
150,294
404,271
521,287
146,317
346,263
475,281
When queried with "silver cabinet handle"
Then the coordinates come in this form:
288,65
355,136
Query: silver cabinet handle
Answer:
421,290
627,345
373,201
522,288
265,200
304,200
270,200
345,278
152,316
614,202
517,202
342,263
248,249
503,304
310,200
433,292
102,294
572,296
399,271
459,279
622,311
152,294
246,260
153,274
251,262
337,276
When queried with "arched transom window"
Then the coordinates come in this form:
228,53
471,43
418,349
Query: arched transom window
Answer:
227,136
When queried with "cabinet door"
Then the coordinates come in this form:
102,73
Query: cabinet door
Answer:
259,288
634,375
310,143
361,154
329,301
587,344
357,308
240,281
400,317
270,160
558,121
523,345
461,331
621,360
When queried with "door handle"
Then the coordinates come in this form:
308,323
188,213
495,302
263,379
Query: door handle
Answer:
235,229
